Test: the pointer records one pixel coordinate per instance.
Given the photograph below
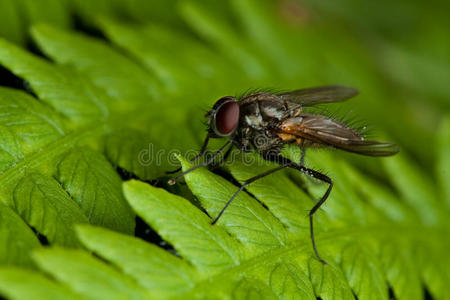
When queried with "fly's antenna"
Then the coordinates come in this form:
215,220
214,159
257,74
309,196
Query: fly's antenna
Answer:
173,180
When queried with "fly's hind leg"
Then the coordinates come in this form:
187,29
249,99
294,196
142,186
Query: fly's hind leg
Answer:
247,182
313,173
302,158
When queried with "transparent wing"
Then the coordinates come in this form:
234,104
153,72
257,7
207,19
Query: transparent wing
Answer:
322,94
328,132
371,148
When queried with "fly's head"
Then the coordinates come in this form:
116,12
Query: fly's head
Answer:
223,118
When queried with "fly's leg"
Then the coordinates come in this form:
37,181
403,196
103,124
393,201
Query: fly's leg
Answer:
173,180
223,159
313,173
302,158
247,182
324,178
200,153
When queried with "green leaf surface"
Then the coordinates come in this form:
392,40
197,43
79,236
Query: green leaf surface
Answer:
87,275
401,271
287,280
262,28
161,273
26,126
56,13
45,206
119,76
35,287
417,190
124,146
152,203
435,276
284,198
328,281
11,26
155,49
139,153
182,225
245,219
167,70
247,288
381,198
66,91
92,183
363,271
220,34
16,239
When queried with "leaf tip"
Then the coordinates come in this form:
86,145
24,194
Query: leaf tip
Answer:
129,185
185,163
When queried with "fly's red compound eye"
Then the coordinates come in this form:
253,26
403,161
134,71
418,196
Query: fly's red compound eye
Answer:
226,117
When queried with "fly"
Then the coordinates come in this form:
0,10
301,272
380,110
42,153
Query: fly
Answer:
265,122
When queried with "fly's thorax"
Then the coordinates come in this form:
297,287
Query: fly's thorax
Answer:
250,115
262,109
272,110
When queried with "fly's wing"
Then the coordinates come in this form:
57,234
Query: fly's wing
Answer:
322,94
328,132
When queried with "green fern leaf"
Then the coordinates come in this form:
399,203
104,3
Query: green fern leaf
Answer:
44,205
17,240
87,275
160,272
36,287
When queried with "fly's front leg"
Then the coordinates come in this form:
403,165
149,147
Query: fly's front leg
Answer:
199,154
223,159
173,180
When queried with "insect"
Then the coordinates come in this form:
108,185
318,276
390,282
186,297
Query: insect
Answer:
264,122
